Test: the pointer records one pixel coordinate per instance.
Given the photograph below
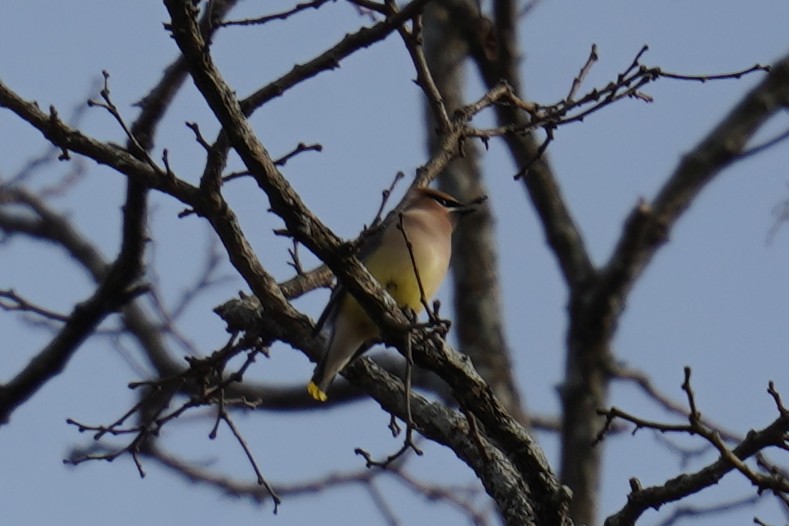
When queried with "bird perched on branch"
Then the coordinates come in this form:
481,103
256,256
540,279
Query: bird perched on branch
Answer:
426,224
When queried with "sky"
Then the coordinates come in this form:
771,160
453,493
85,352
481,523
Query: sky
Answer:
715,298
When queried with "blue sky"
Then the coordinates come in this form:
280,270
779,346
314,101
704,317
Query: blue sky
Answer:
715,298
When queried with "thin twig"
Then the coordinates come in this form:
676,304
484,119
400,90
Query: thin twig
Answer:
284,15
759,148
300,148
410,247
720,76
424,78
15,302
578,80
261,480
385,195
113,110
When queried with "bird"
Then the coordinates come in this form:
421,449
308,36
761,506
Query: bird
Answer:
428,220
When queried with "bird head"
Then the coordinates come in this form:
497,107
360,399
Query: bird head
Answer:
442,203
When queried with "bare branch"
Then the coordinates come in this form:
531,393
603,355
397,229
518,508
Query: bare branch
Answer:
721,76
116,290
643,381
284,15
687,511
17,303
640,499
134,146
577,81
261,481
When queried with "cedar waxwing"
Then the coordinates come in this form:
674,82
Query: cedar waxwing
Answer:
428,219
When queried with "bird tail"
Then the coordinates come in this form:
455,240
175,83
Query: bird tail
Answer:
316,392
319,384
344,343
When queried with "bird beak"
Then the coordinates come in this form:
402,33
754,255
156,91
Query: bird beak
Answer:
471,206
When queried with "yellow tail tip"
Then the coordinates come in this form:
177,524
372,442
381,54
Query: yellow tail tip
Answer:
316,392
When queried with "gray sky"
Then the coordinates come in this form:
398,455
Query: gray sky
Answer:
716,297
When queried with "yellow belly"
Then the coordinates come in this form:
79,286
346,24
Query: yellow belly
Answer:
394,270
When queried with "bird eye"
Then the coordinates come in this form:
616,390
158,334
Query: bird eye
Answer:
446,202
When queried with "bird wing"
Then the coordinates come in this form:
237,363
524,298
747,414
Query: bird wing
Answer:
373,239
330,311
